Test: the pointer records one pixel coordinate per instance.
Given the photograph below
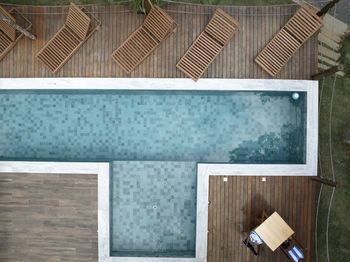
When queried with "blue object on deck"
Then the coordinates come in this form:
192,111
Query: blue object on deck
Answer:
296,253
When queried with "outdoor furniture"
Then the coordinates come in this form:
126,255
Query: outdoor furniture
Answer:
157,27
303,24
293,249
78,27
208,45
274,231
9,36
253,242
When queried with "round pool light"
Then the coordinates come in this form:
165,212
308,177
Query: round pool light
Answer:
295,96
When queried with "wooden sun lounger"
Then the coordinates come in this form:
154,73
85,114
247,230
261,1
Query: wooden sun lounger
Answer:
303,24
157,26
208,45
9,37
78,27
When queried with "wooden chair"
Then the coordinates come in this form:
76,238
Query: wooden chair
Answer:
78,27
157,26
275,55
208,45
9,36
254,248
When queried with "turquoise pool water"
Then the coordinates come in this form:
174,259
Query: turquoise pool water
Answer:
240,127
153,140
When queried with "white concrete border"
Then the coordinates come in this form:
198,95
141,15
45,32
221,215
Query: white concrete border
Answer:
204,170
211,84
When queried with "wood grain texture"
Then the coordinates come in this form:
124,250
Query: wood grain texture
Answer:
236,206
257,26
48,217
276,54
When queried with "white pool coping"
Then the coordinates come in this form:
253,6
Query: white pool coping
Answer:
203,170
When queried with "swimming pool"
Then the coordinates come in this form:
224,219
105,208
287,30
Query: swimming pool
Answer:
190,131
200,126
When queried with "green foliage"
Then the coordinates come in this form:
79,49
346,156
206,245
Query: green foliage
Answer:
345,56
339,229
136,5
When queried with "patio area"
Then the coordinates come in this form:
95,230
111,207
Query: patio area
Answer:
236,205
258,24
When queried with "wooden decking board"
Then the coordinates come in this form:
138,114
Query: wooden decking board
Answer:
243,199
51,217
257,27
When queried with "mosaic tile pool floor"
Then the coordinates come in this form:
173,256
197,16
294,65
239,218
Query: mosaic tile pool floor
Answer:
153,208
157,137
241,127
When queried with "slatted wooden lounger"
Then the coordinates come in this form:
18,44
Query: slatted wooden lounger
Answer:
157,26
300,27
9,37
208,45
78,27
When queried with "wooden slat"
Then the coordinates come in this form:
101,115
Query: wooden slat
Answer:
67,41
78,21
335,25
208,45
300,27
324,51
8,33
159,23
157,26
7,29
328,41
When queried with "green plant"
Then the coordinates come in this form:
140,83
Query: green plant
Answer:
137,5
345,55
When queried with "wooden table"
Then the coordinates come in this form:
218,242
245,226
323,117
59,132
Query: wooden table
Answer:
274,231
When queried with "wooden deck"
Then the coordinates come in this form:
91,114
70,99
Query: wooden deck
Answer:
257,26
48,217
236,204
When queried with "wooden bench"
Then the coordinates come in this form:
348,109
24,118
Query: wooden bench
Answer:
275,55
157,26
208,45
78,27
9,37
